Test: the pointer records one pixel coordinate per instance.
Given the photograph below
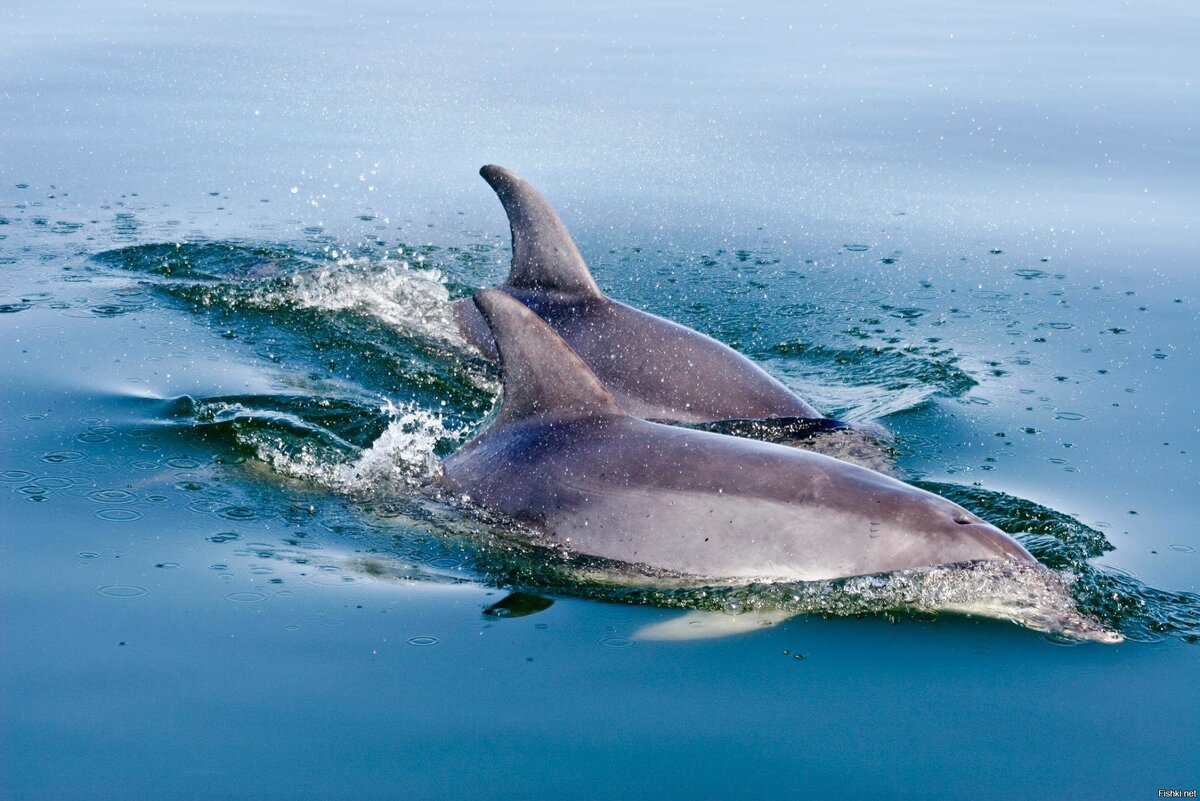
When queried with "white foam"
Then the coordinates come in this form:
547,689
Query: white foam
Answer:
413,301
402,459
1030,595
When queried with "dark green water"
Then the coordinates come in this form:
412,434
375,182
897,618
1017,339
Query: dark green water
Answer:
228,242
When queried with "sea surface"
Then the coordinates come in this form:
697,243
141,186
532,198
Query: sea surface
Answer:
230,235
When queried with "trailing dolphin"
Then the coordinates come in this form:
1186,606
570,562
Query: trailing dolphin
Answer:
655,369
564,457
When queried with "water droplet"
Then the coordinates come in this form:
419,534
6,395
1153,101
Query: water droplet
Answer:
63,457
112,496
183,463
122,592
53,482
245,597
907,313
237,513
617,642
118,515
423,640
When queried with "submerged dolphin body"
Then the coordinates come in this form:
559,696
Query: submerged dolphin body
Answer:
655,369
565,458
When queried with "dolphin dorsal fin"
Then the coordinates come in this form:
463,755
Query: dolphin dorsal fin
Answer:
541,374
544,255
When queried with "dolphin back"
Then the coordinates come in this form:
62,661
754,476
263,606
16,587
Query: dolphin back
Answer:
656,369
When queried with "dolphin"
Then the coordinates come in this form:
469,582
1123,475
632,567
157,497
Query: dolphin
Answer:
566,458
655,369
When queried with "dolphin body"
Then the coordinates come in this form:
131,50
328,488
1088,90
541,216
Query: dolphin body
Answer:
655,369
564,457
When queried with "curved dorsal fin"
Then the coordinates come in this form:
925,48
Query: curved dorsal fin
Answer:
544,255
541,374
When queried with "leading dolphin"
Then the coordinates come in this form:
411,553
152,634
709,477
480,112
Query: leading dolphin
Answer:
654,368
564,457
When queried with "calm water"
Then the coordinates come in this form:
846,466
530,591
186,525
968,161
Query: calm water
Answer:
228,238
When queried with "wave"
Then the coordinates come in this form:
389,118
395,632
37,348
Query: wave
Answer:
415,301
867,383
408,390
367,452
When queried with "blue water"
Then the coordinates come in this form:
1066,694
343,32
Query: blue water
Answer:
228,237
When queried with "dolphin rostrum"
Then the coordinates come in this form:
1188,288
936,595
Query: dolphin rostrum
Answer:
564,457
655,369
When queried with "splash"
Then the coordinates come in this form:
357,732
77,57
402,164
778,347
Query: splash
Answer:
412,301
403,458
377,327
365,452
867,383
1032,596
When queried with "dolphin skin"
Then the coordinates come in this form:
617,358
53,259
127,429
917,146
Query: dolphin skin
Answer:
564,457
654,368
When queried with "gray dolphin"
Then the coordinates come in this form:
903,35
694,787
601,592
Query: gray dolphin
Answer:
654,368
565,457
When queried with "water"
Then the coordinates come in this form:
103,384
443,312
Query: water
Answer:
229,241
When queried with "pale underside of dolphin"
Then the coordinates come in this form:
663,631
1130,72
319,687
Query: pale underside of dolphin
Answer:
564,458
654,368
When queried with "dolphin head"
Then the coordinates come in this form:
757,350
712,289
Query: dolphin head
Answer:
918,528
955,522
